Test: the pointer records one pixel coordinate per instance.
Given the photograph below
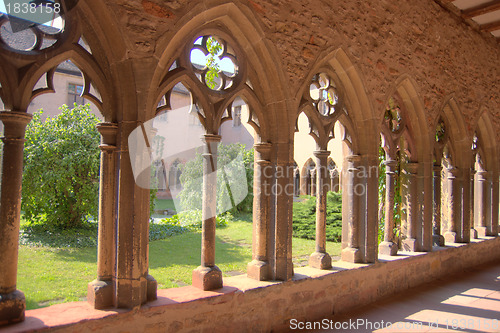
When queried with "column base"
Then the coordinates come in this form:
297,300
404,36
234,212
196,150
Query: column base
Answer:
152,287
351,254
321,260
482,231
437,240
473,233
388,249
100,294
410,244
451,237
258,270
207,278
12,307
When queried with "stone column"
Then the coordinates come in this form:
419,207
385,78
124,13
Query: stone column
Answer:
101,291
258,268
411,242
473,229
208,276
482,203
12,301
437,238
494,205
350,211
388,246
313,181
133,285
466,208
454,210
320,258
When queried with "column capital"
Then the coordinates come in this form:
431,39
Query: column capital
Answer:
15,123
108,132
437,168
482,175
209,138
264,150
454,172
412,168
390,166
321,153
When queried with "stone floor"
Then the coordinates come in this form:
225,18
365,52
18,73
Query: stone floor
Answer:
466,303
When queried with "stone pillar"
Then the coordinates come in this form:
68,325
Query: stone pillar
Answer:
334,181
388,246
482,203
101,291
313,181
473,230
283,264
133,285
466,207
259,268
12,301
208,276
411,242
350,211
320,259
437,238
452,235
494,205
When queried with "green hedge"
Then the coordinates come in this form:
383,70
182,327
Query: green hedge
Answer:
304,217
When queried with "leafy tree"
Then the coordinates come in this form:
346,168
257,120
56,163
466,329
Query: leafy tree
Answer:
214,48
61,168
192,179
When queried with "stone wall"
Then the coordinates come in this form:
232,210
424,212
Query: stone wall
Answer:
248,305
384,40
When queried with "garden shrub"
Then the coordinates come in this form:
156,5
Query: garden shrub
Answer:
304,217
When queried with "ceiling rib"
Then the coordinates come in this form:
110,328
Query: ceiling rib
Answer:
485,8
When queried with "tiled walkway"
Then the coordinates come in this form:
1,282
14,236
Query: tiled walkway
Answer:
466,303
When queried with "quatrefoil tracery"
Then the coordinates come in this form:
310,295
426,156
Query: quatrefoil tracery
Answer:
20,36
324,94
214,63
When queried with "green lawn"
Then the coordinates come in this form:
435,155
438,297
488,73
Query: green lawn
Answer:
54,275
162,204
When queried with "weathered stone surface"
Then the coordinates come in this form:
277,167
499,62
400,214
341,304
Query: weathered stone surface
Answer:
12,307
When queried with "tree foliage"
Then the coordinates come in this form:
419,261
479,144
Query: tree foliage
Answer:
192,179
61,168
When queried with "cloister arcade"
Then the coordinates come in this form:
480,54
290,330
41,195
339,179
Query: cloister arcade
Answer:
442,136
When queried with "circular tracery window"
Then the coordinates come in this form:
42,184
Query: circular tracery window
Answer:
324,95
31,26
213,62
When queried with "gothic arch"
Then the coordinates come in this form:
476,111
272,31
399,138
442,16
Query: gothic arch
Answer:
487,138
458,139
406,88
360,121
238,23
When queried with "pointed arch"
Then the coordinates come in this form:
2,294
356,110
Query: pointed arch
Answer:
263,65
362,122
487,139
86,64
457,137
406,88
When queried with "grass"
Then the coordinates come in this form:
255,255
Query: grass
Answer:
163,204
56,274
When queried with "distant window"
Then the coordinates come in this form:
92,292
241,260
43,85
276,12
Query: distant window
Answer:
74,92
237,116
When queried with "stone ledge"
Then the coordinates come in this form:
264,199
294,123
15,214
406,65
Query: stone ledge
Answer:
312,294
